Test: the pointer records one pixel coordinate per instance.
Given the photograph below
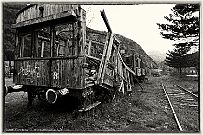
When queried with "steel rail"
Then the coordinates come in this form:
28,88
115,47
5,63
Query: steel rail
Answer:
174,114
189,92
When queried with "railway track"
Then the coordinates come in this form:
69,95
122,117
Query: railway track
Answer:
181,101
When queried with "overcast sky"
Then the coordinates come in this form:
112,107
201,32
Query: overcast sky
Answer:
137,22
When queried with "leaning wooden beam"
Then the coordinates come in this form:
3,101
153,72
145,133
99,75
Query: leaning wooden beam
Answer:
106,21
103,59
129,83
107,56
129,70
121,87
42,50
89,48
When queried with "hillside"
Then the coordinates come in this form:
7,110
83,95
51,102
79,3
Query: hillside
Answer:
132,47
9,16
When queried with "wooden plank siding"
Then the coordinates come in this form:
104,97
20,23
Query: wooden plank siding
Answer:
64,73
33,15
32,72
68,73
49,9
53,70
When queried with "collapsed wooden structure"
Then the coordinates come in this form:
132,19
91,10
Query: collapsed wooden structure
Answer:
54,58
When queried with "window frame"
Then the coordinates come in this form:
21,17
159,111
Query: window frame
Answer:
72,48
35,53
22,44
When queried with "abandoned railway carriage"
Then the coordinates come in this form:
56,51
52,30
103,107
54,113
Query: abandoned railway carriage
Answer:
135,63
53,58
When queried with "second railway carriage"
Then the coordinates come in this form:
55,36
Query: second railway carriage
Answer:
137,65
53,58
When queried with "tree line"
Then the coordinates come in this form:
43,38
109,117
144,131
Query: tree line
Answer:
183,28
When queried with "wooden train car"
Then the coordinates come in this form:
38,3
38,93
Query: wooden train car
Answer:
134,62
54,58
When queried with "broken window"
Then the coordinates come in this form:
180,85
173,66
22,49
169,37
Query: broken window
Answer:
43,42
25,45
64,40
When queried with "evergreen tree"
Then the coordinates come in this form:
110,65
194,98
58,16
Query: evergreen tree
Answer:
183,25
192,60
175,59
183,28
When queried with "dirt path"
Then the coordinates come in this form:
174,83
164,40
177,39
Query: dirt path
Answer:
143,111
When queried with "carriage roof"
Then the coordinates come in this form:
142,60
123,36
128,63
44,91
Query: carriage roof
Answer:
37,13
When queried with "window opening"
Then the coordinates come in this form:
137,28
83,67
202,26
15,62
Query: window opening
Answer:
64,40
96,49
41,13
26,45
43,42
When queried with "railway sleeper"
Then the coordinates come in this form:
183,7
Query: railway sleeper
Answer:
190,99
193,105
176,93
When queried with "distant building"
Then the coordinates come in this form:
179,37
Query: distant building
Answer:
185,71
190,71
